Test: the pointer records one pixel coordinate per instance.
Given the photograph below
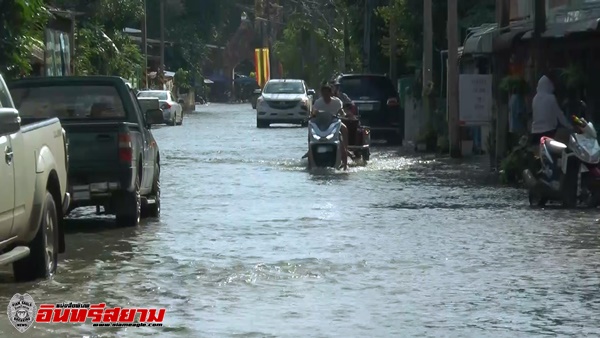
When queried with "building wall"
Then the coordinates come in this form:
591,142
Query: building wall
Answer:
521,9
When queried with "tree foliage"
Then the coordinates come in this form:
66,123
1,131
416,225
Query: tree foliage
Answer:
101,46
471,13
312,44
21,27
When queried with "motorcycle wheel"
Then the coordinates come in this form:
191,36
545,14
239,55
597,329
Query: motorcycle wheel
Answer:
535,200
569,185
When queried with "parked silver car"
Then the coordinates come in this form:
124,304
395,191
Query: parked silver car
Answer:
172,110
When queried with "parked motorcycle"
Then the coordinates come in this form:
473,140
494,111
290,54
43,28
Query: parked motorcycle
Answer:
325,141
562,166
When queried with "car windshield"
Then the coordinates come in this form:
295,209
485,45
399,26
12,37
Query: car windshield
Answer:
69,102
161,95
377,87
284,88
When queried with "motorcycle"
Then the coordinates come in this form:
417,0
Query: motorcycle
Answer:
325,141
359,136
566,167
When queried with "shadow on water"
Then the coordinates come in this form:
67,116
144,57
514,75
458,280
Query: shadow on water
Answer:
285,126
327,175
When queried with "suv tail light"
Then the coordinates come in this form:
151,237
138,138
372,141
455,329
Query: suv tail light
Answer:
125,148
393,102
166,106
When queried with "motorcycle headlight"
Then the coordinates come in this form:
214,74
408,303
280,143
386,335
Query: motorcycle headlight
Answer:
330,136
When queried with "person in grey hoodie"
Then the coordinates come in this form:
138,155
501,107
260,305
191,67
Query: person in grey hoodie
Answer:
547,114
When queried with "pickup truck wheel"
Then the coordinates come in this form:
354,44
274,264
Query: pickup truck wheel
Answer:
153,210
43,258
130,212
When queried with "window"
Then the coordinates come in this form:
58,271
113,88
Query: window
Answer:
370,86
284,88
163,96
4,96
69,102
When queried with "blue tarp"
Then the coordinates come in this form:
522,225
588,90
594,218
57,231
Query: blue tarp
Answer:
246,80
219,78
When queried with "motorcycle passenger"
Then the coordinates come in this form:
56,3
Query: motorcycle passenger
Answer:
547,114
346,100
333,105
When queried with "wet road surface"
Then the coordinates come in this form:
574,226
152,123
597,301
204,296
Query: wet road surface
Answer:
250,244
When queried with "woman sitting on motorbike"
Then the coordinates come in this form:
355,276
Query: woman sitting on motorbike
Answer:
547,114
337,92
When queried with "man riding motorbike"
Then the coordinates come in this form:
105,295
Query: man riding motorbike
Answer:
333,105
547,114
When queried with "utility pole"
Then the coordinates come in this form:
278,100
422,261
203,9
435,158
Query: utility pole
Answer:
144,49
161,68
269,37
453,112
393,51
427,64
539,27
346,64
367,36
503,20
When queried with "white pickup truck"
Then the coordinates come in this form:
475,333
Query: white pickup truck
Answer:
33,192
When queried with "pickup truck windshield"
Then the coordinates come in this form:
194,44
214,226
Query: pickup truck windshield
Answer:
161,95
69,102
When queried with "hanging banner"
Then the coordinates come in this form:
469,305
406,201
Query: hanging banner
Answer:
261,60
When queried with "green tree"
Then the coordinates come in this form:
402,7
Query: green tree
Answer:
410,26
101,46
21,28
312,46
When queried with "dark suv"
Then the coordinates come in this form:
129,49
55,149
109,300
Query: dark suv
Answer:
378,104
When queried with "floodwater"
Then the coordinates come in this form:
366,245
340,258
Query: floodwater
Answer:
251,244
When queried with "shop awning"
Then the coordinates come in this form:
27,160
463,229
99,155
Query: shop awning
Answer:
505,40
559,30
480,40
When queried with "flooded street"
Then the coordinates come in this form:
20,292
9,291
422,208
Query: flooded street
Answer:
251,244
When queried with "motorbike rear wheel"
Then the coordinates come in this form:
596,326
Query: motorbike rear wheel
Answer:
569,184
535,200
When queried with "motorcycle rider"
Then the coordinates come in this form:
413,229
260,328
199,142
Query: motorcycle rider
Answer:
547,114
333,105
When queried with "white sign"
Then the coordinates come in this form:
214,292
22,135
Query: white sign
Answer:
475,99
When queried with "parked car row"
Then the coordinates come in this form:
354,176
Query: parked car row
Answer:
376,100
172,109
71,142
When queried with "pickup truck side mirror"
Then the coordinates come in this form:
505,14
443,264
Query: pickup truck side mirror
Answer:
311,92
10,122
257,91
154,116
